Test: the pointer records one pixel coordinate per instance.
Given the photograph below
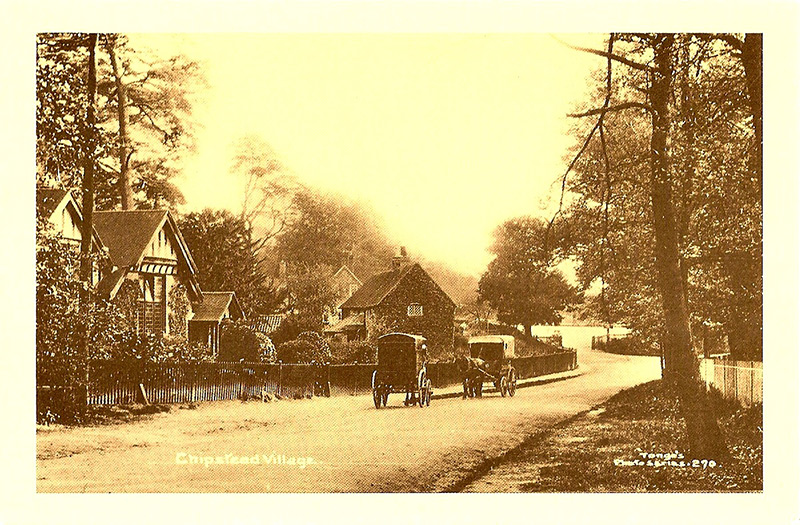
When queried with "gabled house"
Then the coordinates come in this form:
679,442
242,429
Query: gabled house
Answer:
344,284
149,255
403,299
206,322
61,209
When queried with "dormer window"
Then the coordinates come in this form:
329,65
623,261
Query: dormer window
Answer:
415,310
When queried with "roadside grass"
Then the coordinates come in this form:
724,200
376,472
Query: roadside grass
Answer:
579,456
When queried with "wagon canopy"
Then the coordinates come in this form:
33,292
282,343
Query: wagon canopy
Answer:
398,351
491,347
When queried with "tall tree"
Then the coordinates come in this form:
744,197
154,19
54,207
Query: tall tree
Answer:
268,188
652,57
143,109
87,224
124,182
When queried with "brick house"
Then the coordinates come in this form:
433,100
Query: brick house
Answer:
403,299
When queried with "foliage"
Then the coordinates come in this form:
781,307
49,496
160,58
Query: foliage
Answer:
309,347
521,282
222,248
179,307
58,314
239,342
158,106
312,295
716,195
347,352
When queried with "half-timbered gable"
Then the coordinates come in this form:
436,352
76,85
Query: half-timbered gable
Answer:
147,248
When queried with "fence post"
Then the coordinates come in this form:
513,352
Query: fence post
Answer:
280,378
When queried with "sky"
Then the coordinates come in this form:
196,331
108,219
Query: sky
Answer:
444,135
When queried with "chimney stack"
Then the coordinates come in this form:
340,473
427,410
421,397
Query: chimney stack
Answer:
399,260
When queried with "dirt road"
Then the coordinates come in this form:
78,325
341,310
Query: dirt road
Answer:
265,447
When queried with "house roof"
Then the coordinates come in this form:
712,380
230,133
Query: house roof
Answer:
127,235
266,324
214,306
344,271
377,287
349,322
48,199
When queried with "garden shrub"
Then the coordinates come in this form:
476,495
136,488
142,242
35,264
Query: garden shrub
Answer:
309,347
240,342
348,352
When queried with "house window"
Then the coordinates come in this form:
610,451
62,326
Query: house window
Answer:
415,310
152,310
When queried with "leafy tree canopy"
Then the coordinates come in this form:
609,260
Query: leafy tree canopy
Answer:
521,283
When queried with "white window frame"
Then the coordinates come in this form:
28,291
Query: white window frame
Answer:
412,310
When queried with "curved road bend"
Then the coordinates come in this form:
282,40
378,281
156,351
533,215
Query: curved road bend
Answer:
355,447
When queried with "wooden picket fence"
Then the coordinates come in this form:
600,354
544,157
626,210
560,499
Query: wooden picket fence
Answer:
119,383
740,380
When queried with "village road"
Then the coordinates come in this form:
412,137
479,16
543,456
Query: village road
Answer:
355,448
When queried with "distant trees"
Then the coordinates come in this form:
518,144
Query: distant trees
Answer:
521,283
268,190
331,231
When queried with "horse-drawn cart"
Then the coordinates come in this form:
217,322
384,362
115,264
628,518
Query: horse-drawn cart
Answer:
490,360
401,369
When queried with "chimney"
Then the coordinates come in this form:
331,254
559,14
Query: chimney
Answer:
400,259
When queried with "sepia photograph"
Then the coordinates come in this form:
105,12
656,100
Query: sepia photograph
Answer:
423,261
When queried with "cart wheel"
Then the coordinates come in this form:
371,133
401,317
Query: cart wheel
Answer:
428,394
512,384
503,386
376,397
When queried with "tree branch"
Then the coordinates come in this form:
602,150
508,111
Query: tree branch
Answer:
618,107
612,56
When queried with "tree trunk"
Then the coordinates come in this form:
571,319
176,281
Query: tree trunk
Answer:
752,59
124,182
87,229
681,367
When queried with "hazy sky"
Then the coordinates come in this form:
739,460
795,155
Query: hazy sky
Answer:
445,135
